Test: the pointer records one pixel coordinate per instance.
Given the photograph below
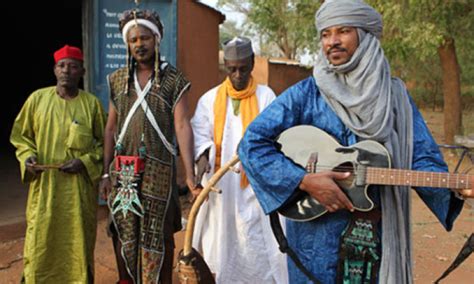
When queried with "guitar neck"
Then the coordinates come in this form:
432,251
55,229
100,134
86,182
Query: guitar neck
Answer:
385,176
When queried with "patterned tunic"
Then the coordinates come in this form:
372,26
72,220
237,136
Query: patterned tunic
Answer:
143,239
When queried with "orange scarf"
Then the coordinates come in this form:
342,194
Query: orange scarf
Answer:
248,111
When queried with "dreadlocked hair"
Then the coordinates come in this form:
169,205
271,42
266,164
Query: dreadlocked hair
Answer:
153,17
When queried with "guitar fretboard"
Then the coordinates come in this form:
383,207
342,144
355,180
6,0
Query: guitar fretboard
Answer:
385,176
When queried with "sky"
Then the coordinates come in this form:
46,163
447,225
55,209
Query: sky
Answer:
236,17
210,2
239,18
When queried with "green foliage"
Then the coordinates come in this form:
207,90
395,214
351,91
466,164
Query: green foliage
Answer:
413,32
423,25
228,30
465,49
283,25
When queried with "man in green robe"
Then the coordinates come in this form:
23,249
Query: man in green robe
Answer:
58,135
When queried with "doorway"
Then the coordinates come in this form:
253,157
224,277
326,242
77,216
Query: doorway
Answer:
40,27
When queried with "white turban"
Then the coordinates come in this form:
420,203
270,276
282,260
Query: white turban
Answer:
142,22
354,13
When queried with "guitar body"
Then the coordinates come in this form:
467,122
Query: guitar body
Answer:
300,142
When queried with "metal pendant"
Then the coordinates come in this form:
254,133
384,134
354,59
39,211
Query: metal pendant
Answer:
127,198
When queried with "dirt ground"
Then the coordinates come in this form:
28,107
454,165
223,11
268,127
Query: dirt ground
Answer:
434,248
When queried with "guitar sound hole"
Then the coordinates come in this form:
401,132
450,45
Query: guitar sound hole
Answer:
346,167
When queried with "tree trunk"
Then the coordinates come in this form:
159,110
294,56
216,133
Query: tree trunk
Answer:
451,90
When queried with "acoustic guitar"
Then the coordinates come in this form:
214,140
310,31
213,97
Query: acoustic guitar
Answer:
367,161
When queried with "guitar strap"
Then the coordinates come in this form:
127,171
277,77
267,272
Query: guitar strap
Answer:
465,252
285,248
359,256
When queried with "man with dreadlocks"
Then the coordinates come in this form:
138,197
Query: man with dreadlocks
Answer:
147,112
353,97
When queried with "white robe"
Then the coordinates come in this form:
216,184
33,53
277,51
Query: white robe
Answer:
231,232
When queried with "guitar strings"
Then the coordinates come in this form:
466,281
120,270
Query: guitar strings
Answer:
401,176
351,169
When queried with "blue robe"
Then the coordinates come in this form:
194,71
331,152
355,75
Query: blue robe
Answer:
274,178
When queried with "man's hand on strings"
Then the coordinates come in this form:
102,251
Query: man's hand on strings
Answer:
468,192
323,188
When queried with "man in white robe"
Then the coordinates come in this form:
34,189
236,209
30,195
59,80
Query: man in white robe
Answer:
232,233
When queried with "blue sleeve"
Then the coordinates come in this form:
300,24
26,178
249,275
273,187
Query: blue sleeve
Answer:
427,157
273,176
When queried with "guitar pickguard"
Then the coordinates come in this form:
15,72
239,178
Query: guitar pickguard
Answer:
299,142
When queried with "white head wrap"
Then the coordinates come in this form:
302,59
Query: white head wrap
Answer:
142,22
